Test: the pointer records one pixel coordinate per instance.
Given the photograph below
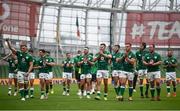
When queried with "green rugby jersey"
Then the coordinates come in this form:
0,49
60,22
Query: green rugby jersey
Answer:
42,62
67,68
50,60
102,61
152,57
12,65
127,66
170,60
85,67
116,65
24,59
140,54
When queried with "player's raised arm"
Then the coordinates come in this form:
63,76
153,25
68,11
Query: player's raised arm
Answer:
5,58
10,47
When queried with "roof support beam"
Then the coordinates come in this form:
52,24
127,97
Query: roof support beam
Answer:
118,10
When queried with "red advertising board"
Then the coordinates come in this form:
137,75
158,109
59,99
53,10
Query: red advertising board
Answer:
19,17
159,28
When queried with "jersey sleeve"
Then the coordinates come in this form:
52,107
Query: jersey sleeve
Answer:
145,58
133,55
175,61
30,58
90,58
71,61
96,55
136,54
18,53
159,57
52,60
108,53
165,62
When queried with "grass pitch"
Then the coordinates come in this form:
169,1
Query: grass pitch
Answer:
58,102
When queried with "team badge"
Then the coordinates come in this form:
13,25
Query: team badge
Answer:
102,58
155,57
13,65
23,59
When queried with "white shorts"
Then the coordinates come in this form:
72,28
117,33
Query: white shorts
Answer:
170,76
67,75
102,74
116,73
12,75
154,75
127,75
32,75
51,75
142,73
21,77
85,76
45,76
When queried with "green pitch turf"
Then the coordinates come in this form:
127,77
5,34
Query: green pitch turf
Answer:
58,102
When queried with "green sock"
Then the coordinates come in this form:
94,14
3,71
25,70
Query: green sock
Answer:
152,91
122,90
42,92
31,91
21,90
15,90
9,88
116,88
64,89
98,93
174,89
47,89
26,92
68,90
130,91
141,89
168,89
88,93
51,86
105,94
147,88
158,89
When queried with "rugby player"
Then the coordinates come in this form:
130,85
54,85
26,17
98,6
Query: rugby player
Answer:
170,64
102,58
86,76
153,60
129,60
25,65
67,65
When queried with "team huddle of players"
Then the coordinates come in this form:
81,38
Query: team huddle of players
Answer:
91,69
